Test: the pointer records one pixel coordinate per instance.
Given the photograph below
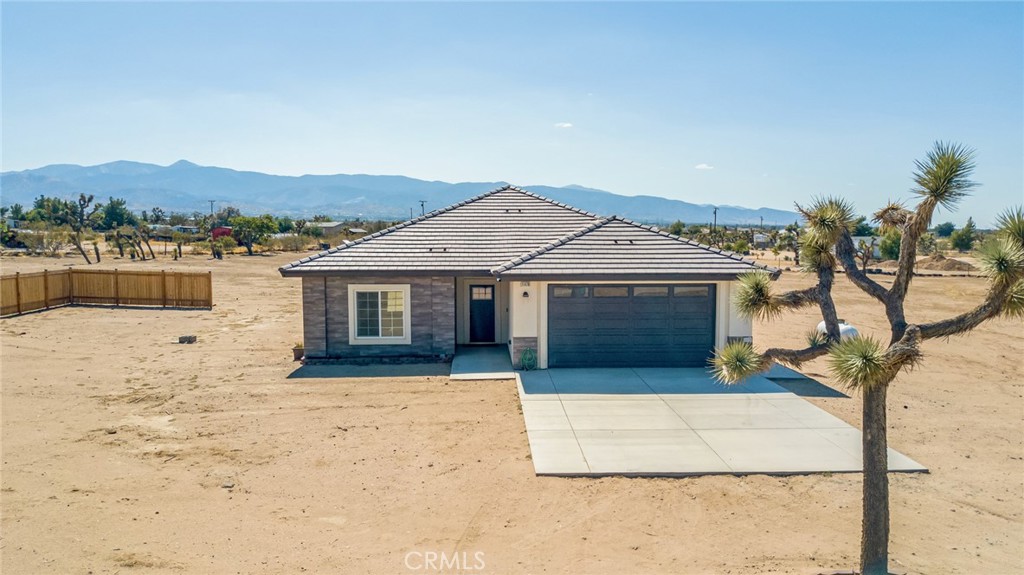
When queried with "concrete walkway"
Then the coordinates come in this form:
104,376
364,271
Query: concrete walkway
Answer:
674,421
482,362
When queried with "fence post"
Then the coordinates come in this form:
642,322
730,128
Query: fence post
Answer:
17,289
163,284
117,289
71,287
209,280
46,288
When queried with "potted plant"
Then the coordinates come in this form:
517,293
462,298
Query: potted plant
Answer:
298,351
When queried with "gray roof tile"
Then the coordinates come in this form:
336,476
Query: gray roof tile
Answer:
512,232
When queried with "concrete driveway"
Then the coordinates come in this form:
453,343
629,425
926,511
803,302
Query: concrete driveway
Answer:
678,421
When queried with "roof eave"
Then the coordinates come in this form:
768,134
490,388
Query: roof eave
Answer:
305,272
526,276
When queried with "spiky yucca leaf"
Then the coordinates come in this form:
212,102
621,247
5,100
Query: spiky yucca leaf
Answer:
1003,261
815,338
753,297
828,217
892,217
858,362
1014,305
816,251
943,178
736,362
1011,225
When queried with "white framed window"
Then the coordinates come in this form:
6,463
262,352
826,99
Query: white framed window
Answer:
379,314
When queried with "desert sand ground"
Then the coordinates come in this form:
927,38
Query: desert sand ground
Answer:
126,452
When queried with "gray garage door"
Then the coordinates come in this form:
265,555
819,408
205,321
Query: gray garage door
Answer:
630,325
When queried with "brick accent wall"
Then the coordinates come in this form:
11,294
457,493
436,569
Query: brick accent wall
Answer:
518,345
325,318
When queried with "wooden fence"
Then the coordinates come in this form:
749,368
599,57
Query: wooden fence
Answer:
22,293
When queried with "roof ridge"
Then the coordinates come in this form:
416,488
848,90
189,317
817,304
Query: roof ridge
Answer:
551,245
397,226
553,202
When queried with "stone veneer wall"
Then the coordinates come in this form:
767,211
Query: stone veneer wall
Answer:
518,345
325,320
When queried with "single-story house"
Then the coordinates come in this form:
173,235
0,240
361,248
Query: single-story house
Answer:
512,268
329,228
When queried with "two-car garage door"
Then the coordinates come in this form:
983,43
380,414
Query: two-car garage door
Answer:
630,325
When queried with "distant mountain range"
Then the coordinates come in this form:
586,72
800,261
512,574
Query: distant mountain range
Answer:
187,187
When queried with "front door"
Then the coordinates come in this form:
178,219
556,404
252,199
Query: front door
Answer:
481,314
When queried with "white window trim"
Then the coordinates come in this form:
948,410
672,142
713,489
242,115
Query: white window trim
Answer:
406,317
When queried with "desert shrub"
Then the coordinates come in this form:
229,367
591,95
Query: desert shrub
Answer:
293,243
45,239
926,244
889,247
201,248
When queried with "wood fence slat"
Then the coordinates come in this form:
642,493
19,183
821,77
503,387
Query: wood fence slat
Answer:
17,289
26,292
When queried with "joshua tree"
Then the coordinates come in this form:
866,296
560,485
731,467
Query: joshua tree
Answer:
78,217
862,363
865,252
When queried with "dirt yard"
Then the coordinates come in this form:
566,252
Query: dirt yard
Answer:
124,451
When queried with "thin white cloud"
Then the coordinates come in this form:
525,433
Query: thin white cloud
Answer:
703,166
563,125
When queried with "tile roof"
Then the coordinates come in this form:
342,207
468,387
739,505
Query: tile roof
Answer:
619,247
515,233
470,237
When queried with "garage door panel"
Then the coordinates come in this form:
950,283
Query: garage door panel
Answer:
621,325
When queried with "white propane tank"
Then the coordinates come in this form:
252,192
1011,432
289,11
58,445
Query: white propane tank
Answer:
845,330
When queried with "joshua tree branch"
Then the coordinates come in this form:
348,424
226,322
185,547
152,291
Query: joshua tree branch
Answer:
794,357
847,255
798,298
905,352
965,322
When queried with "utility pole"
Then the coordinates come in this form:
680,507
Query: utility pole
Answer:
410,213
762,223
423,207
211,206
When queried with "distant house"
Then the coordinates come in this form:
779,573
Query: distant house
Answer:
220,231
186,229
161,233
357,231
329,228
762,241
512,268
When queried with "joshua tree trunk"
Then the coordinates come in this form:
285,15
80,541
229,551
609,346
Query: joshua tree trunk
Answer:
77,238
874,547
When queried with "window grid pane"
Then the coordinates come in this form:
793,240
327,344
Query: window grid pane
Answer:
690,291
650,291
380,314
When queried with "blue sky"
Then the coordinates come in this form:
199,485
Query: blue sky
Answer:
754,104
